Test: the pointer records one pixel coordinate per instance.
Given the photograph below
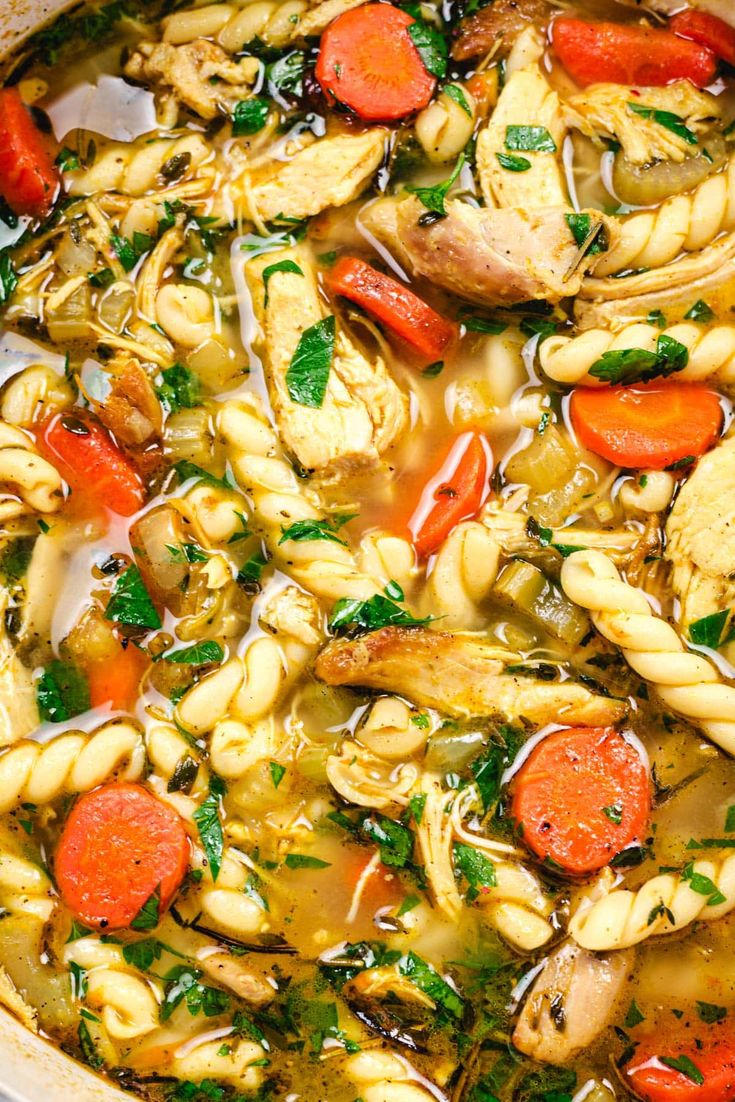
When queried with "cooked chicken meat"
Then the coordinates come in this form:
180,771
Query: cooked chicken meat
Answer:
363,411
462,675
495,27
491,257
200,74
701,536
328,173
572,1000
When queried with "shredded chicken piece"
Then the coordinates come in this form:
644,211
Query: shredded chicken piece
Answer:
386,981
328,173
200,74
363,411
435,836
362,778
492,257
571,1002
616,111
496,27
133,413
18,709
460,674
701,536
234,974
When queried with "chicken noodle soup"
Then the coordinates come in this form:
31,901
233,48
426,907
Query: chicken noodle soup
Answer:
367,687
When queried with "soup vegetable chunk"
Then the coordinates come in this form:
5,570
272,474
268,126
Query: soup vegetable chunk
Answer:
367,545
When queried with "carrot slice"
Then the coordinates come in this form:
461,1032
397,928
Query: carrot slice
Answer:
582,796
619,53
406,315
115,682
88,459
120,845
368,62
453,494
29,182
647,425
707,30
704,1071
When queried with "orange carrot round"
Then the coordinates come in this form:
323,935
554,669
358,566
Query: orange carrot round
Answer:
89,460
115,682
120,846
368,62
29,182
453,494
703,1071
402,312
647,425
582,796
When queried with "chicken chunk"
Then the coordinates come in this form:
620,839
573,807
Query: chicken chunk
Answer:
133,413
363,410
328,173
497,26
199,73
701,536
604,111
611,303
571,1002
526,100
491,257
460,674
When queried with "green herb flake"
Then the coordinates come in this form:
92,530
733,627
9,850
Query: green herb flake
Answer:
130,602
634,1016
302,531
209,825
416,807
730,820
529,139
684,1065
585,232
614,812
702,885
457,94
180,388
394,840
710,1012
433,370
633,365
433,197
199,654
477,869
355,616
87,1046
513,163
707,632
61,692
428,980
308,372
305,861
149,914
657,318
8,277
102,279
701,311
431,46
667,119
278,772
249,116
409,903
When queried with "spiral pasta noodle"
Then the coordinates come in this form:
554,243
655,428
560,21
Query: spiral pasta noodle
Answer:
326,568
37,772
445,126
649,239
28,483
234,26
704,890
711,352
385,1077
25,888
127,1003
686,682
464,570
135,169
33,395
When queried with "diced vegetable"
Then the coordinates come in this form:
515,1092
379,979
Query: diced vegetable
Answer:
707,30
527,589
402,312
29,182
122,852
90,461
453,494
675,1068
581,797
647,425
369,62
620,53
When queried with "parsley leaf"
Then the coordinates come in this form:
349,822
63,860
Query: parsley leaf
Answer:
394,839
87,1046
584,232
209,825
632,365
302,531
701,311
130,602
148,915
61,692
431,46
536,139
634,1016
513,163
684,1065
433,197
702,885
249,116
8,277
280,266
707,632
477,869
428,980
614,812
305,861
355,616
278,772
667,119
198,654
455,92
180,388
183,986
710,1012
308,372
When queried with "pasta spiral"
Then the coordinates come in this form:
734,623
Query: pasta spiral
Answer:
664,904
650,238
134,169
445,126
326,568
385,1077
465,568
37,773
29,483
25,888
128,1004
711,352
234,26
686,682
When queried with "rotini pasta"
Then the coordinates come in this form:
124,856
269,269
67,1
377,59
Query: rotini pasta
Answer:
446,125
29,482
